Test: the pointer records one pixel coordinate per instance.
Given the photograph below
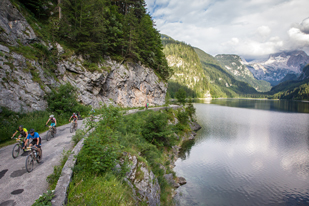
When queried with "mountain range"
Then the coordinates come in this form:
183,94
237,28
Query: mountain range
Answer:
279,67
282,75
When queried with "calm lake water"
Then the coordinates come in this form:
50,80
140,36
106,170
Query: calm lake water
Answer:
248,152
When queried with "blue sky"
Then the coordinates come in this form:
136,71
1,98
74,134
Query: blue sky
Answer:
250,28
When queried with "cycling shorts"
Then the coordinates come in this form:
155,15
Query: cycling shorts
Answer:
34,142
53,124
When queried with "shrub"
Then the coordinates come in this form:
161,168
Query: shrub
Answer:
63,100
98,154
155,130
190,109
181,96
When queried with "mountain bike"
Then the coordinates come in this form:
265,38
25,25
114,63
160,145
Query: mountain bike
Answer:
73,126
33,156
51,133
17,147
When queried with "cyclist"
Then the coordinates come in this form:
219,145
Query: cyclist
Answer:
53,121
35,140
23,132
74,118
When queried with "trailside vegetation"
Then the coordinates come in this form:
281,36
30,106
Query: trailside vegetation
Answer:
121,29
147,135
61,102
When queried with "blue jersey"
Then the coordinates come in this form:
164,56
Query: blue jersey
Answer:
35,136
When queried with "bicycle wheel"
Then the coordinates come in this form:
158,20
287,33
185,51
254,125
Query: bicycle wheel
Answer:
71,127
15,151
29,163
38,157
48,135
55,131
76,126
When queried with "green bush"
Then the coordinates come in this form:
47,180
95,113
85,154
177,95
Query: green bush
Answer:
45,199
99,155
63,100
156,130
190,109
79,134
181,96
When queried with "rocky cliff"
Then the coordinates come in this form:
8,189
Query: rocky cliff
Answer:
278,65
25,81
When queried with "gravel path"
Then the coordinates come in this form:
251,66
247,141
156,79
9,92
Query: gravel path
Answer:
17,186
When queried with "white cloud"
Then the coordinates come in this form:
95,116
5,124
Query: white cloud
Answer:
255,27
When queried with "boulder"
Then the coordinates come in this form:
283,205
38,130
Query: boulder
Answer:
181,180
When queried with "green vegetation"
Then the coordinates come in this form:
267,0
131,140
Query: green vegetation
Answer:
181,96
53,178
45,199
198,73
188,72
61,103
242,73
147,135
293,89
11,120
222,83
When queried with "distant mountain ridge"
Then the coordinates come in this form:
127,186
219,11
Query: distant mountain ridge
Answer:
237,66
279,65
199,73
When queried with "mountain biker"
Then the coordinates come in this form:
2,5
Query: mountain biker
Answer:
23,132
74,118
35,140
53,121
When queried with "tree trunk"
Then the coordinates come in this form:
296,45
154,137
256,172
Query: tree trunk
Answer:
59,2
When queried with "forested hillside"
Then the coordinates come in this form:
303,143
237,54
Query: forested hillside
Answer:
188,72
235,65
200,74
296,89
222,83
94,29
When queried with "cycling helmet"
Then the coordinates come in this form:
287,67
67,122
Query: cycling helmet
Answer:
21,126
51,116
31,130
73,113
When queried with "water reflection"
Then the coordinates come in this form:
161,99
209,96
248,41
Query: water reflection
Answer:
184,151
263,104
246,156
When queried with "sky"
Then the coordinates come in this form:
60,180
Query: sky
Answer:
249,28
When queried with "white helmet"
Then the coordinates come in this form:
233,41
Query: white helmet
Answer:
51,116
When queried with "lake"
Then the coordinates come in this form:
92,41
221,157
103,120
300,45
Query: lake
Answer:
248,152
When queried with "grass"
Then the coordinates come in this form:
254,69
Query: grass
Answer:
85,189
54,177
93,180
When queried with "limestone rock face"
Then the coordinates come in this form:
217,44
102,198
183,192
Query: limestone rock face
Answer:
19,89
25,82
144,184
14,26
125,85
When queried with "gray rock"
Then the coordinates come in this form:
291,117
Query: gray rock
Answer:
59,49
4,49
145,184
14,25
182,180
191,137
170,179
195,126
